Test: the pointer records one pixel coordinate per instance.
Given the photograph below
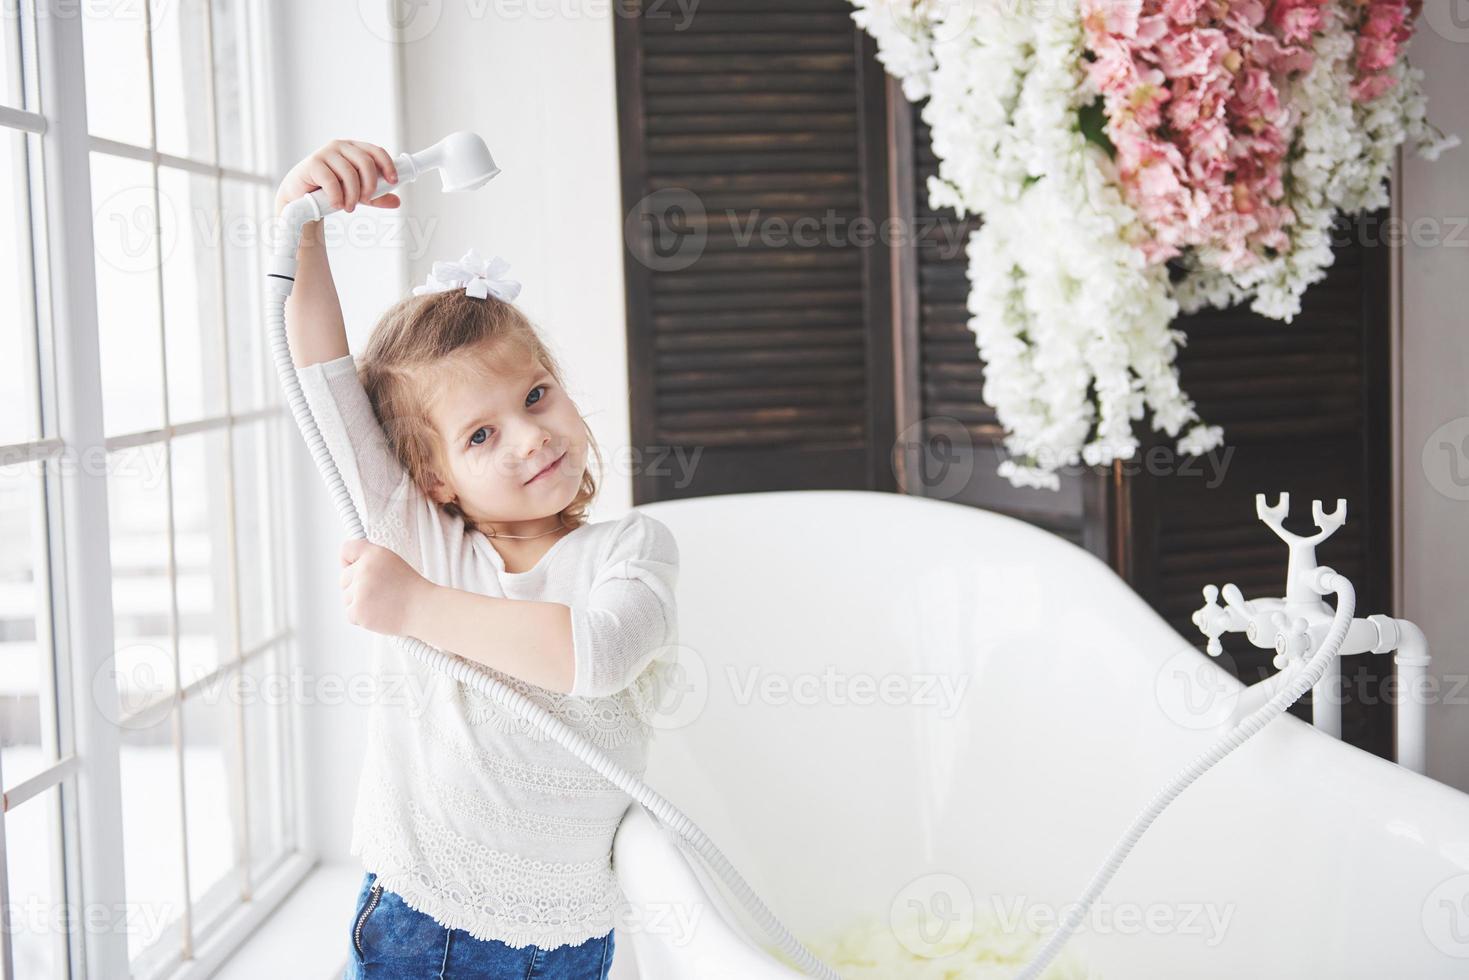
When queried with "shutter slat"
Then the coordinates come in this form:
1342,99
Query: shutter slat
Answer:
712,286
749,61
733,437
732,378
754,81
736,122
803,394
680,164
731,42
757,298
743,183
776,21
745,103
682,360
800,334
775,417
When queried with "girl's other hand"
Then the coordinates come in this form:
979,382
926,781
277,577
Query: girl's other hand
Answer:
381,591
345,169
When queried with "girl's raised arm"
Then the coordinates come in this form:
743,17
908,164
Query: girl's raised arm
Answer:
345,169
393,512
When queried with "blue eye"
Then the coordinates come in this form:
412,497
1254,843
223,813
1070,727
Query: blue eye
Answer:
475,433
533,391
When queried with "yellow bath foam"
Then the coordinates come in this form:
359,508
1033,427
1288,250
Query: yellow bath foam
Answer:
927,948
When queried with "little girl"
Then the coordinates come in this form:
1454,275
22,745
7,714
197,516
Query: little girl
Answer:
487,846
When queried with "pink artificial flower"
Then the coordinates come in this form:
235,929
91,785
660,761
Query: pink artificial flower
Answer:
1383,31
1192,95
1117,18
1295,21
1371,87
1181,11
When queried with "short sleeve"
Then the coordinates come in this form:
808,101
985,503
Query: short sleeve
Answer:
630,617
387,500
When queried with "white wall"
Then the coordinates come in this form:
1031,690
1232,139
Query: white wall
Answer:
1433,380
358,99
540,90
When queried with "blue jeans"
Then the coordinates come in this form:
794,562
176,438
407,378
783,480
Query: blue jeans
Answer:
392,941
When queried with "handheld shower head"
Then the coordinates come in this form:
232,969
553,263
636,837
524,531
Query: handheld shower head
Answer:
462,159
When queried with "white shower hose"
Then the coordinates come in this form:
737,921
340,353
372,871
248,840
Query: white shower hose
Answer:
1323,580
279,283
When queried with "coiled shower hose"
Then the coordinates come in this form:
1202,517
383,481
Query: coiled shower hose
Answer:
1324,580
279,283
280,280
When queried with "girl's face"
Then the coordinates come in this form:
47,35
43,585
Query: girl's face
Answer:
499,431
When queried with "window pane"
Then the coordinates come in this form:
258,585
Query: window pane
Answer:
243,236
180,73
137,508
19,421
264,198
33,854
266,691
201,552
152,831
212,791
234,86
115,38
126,225
191,298
10,77
27,702
257,508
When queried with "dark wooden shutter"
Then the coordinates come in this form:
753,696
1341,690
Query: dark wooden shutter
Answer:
840,365
1305,409
955,431
770,361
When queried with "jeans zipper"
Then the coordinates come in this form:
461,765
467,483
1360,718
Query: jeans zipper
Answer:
377,891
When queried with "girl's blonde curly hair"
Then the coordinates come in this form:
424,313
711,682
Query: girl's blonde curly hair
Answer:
424,337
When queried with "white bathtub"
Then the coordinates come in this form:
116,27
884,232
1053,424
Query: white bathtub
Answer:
1320,860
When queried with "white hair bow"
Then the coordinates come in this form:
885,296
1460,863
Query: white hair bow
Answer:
478,277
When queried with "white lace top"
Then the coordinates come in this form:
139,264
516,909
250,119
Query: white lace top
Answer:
467,812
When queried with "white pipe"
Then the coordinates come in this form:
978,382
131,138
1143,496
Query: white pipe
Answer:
1322,580
1326,699
1412,709
1252,697
447,155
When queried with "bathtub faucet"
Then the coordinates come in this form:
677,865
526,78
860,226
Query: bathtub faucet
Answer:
1295,625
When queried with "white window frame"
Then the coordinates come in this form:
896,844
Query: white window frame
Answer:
77,619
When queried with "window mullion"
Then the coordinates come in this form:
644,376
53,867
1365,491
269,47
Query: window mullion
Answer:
186,914
7,955
242,816
84,568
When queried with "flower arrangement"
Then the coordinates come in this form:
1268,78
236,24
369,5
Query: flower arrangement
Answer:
1137,158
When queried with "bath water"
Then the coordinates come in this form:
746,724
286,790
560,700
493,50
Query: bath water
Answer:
928,946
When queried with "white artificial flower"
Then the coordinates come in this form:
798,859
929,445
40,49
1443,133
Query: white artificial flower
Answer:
1071,323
